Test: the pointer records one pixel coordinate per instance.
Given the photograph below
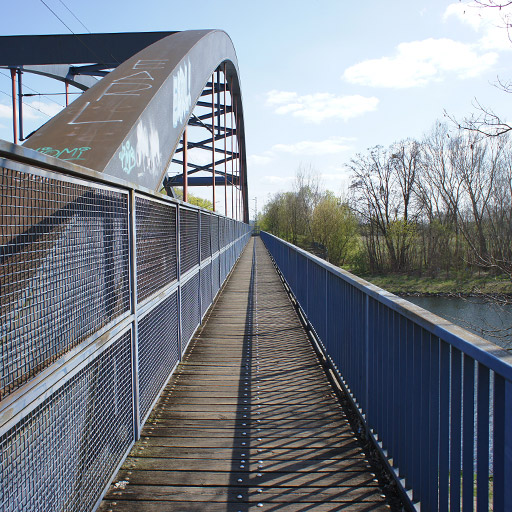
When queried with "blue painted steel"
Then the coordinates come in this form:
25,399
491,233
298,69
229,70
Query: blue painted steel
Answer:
413,376
456,425
468,437
482,484
444,427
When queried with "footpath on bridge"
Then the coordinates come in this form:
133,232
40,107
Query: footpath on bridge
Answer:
249,420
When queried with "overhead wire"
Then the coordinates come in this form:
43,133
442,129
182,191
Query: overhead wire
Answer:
28,105
37,92
74,16
100,61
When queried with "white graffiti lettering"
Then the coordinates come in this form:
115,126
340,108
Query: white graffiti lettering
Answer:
141,75
125,89
93,121
150,64
181,94
148,149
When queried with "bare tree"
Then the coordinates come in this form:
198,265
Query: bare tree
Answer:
484,121
382,184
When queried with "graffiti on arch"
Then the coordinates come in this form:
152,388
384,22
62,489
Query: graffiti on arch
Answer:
66,154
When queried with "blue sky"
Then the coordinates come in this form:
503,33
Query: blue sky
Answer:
321,81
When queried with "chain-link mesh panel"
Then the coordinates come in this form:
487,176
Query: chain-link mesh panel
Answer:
62,455
230,230
64,269
215,233
156,246
189,239
222,259
206,249
189,309
206,288
215,276
222,232
158,350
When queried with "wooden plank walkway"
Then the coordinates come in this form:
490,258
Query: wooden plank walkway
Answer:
249,421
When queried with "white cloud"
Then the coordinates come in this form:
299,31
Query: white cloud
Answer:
330,146
5,111
490,22
329,176
50,109
278,179
259,159
320,106
419,62
39,108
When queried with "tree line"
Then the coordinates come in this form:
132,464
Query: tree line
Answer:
438,205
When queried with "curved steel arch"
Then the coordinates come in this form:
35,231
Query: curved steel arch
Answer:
130,124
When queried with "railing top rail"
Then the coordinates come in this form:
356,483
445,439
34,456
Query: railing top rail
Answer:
31,157
483,351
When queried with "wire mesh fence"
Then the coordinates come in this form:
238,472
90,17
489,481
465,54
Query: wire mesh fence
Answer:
94,316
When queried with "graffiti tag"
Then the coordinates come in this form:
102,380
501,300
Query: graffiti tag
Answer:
181,100
133,84
148,148
127,157
66,154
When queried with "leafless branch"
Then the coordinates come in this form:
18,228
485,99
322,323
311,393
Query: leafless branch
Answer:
484,122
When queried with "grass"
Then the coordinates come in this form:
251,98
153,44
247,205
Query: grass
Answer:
465,285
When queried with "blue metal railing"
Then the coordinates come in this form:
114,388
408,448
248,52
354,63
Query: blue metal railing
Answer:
436,399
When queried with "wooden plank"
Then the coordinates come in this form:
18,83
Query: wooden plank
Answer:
249,420
216,464
226,494
192,506
246,479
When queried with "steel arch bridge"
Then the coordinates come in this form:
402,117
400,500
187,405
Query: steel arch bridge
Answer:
166,112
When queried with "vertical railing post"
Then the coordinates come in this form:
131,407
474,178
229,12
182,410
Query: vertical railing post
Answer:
20,105
178,273
199,271
14,109
225,149
367,359
185,165
133,300
213,140
507,446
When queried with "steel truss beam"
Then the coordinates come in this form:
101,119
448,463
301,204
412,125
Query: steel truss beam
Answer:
121,127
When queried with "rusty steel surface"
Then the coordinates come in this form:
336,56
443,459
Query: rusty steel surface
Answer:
130,123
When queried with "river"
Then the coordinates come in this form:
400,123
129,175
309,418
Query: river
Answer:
488,320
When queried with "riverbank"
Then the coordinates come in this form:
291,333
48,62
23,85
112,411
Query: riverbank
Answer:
407,285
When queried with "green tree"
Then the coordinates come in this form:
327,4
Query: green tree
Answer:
195,200
335,226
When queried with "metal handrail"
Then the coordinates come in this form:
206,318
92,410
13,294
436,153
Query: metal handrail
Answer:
436,399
